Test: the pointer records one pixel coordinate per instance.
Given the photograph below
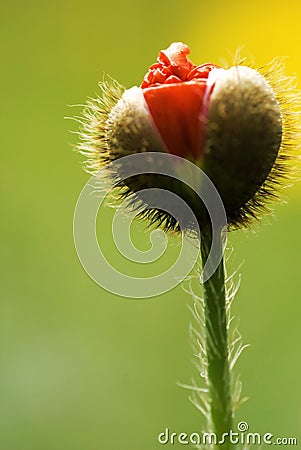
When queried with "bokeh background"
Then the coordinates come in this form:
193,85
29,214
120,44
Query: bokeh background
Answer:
82,369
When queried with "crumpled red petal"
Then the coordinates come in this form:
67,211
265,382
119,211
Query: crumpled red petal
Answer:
176,93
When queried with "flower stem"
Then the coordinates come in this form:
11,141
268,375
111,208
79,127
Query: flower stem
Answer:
216,333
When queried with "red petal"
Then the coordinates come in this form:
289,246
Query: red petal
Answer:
172,61
176,57
177,113
201,71
173,79
174,90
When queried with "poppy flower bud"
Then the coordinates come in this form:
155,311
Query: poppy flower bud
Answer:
232,123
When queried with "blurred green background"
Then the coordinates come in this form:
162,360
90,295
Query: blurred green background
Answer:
82,369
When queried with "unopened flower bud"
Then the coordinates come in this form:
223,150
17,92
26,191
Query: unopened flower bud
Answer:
232,123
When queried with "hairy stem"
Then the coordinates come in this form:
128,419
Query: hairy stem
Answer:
216,333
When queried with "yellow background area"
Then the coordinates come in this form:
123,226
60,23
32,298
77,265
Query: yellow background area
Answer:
82,369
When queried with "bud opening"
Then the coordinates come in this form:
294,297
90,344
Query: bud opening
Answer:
235,124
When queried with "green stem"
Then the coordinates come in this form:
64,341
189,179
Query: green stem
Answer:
217,344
